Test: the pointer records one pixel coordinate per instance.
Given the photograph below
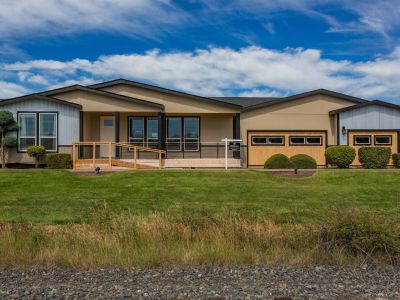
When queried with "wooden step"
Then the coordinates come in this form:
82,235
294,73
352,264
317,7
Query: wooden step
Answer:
126,164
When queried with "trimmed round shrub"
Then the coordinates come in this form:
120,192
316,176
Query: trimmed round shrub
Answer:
37,152
58,161
396,159
278,161
374,157
340,156
303,161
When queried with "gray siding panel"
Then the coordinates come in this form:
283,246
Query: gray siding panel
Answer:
369,117
68,117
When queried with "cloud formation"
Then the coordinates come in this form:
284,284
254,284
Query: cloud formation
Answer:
217,71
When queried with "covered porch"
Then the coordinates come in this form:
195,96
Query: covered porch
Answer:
156,139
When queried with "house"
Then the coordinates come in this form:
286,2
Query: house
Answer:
121,121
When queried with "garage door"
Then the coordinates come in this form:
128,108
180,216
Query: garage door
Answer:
373,138
263,144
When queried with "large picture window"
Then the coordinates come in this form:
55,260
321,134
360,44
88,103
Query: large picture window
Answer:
183,133
37,129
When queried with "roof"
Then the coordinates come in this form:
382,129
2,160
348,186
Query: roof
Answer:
104,93
160,89
303,95
38,97
245,101
365,104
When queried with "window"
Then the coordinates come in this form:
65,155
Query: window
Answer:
48,131
191,134
174,134
383,140
183,133
37,129
314,140
362,140
143,131
297,140
136,131
152,132
108,123
268,140
27,130
305,140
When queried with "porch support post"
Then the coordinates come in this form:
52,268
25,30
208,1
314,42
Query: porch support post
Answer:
161,130
117,138
81,131
236,132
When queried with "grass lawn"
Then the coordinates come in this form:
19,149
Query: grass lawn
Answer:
47,196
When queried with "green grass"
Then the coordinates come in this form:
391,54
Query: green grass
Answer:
61,197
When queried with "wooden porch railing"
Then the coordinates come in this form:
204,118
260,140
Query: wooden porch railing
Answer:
113,160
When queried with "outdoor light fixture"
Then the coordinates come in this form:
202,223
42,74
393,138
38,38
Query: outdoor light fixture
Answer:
344,130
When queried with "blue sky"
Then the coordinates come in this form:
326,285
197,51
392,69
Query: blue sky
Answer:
211,48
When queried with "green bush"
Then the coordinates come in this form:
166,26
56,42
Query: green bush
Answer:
303,161
340,156
278,161
58,161
37,152
374,157
396,159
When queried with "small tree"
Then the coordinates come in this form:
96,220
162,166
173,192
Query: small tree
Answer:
37,152
7,125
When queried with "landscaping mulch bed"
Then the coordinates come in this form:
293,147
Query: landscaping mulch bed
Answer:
206,283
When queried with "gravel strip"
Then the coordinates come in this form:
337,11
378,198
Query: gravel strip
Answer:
368,282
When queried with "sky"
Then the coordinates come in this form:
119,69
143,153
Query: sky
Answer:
205,47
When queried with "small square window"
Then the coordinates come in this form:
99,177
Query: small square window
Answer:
383,140
108,123
362,140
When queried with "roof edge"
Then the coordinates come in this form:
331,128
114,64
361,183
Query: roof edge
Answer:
39,97
159,89
364,104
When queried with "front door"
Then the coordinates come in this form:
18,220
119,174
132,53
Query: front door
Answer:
107,134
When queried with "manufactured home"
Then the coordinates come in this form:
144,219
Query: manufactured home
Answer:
126,123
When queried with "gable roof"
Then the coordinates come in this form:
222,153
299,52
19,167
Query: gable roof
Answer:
365,104
304,95
78,87
160,89
38,97
246,101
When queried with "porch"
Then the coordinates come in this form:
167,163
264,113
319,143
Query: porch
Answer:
155,140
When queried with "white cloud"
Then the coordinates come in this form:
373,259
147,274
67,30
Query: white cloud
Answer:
253,71
59,17
10,90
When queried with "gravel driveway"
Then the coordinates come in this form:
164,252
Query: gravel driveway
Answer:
204,283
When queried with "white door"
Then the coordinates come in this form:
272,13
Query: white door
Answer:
107,134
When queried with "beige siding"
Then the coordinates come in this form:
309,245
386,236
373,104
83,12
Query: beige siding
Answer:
23,158
173,103
311,113
96,102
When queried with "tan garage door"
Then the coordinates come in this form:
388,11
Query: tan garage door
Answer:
373,138
263,144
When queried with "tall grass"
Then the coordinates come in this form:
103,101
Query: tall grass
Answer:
155,241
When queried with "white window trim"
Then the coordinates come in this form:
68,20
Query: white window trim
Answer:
49,137
297,144
314,144
153,141
27,137
362,144
384,144
268,142
135,141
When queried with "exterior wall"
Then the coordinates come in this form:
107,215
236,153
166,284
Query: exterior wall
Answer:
95,102
394,147
173,103
23,158
68,124
310,113
213,127
258,154
369,117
